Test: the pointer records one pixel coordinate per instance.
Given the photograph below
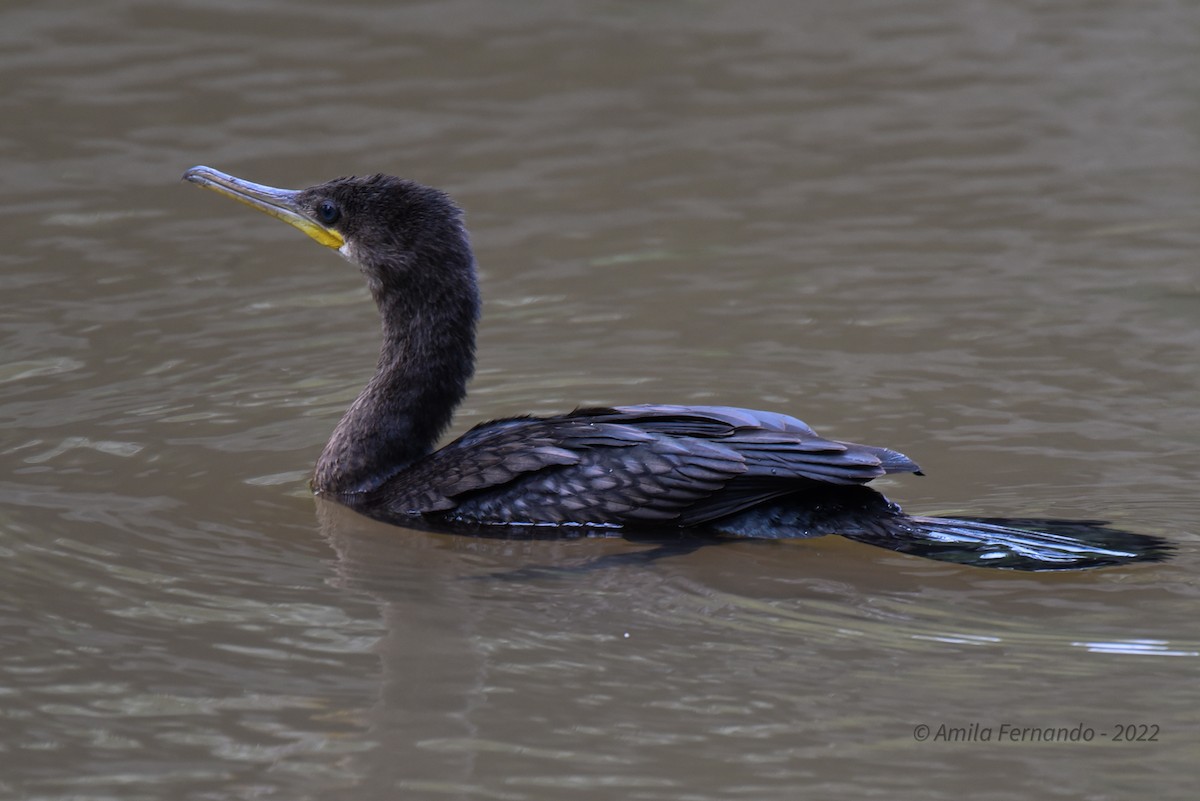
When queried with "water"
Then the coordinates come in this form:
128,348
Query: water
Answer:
966,231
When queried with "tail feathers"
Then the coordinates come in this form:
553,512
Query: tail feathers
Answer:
863,515
1015,544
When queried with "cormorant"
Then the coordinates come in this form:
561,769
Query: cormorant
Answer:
712,470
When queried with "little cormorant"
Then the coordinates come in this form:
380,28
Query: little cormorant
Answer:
714,470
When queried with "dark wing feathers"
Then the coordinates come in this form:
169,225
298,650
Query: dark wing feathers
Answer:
891,461
705,416
679,465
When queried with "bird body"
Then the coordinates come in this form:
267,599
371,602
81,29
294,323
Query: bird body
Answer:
708,469
629,465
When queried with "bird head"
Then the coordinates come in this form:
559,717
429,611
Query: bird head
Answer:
397,231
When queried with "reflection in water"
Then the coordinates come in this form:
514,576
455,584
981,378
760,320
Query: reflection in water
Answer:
596,669
1138,648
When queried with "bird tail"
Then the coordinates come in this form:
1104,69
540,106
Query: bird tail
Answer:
1014,543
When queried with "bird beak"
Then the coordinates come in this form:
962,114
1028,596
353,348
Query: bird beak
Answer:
282,204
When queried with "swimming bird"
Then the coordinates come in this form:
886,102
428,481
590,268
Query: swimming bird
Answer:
713,470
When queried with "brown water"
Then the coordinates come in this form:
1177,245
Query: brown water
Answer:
968,231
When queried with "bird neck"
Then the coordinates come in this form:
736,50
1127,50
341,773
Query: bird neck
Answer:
425,361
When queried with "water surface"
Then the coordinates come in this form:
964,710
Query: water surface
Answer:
965,231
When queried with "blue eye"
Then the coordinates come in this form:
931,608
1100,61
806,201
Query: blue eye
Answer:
328,212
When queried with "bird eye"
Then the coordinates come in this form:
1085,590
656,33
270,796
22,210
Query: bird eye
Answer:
328,212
